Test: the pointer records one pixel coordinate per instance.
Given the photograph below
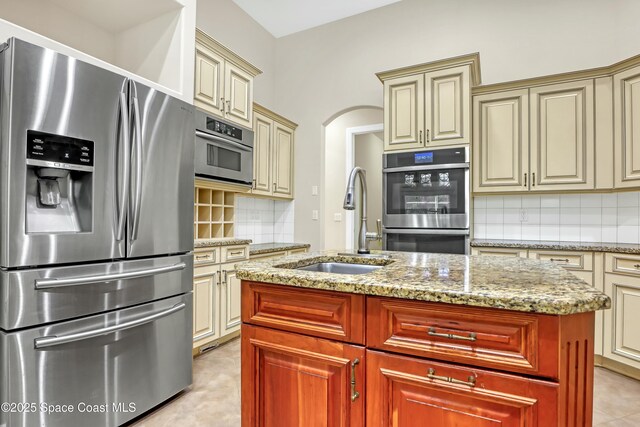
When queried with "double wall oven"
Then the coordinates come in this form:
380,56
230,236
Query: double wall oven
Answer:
426,201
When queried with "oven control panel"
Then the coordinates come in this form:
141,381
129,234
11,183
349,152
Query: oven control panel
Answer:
224,128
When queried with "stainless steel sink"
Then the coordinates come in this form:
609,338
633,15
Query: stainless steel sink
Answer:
340,268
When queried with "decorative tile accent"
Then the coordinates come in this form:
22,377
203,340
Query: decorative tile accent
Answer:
264,220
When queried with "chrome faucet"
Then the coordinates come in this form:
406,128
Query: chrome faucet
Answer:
350,204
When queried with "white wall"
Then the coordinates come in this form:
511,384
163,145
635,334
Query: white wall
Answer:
330,68
329,234
228,24
368,149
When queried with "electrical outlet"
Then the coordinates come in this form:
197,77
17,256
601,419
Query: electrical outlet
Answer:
314,190
314,215
337,217
524,215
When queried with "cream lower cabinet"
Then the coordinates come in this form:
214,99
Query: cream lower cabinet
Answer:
216,294
535,139
626,107
273,154
428,109
223,81
622,285
279,254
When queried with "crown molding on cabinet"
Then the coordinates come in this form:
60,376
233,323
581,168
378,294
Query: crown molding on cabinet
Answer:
229,55
274,116
472,59
557,78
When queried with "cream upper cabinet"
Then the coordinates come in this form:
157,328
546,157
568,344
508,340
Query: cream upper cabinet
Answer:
404,113
501,147
223,81
447,107
626,107
262,127
561,138
273,154
282,160
429,105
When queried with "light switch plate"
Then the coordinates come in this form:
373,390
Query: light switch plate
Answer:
337,217
314,190
314,215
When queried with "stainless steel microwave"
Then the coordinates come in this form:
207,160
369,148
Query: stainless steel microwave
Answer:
223,151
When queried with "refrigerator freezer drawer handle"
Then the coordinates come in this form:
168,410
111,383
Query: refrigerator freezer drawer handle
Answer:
85,280
54,340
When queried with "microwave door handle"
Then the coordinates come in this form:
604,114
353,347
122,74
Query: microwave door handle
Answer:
222,140
53,340
124,184
138,189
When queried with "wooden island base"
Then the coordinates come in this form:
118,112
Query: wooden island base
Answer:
322,358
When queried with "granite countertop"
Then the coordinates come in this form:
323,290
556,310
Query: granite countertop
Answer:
266,248
209,243
625,248
497,282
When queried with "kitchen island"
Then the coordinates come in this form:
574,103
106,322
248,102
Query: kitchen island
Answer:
444,339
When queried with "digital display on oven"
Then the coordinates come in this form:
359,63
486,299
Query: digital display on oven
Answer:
423,158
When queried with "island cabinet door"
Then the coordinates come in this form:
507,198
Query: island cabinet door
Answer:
292,380
407,392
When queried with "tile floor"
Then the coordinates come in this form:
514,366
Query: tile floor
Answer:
214,398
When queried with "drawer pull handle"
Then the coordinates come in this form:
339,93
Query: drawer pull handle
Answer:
354,393
199,257
236,253
636,265
559,259
472,336
471,381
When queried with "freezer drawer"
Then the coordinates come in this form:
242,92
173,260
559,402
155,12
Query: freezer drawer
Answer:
107,369
46,295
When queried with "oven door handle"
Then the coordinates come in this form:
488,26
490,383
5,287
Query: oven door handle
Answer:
440,232
53,340
85,280
427,168
222,140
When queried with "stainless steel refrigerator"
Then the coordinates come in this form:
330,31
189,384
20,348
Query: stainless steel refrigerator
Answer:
96,239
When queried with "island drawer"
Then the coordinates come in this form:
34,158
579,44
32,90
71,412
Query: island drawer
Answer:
566,259
623,264
319,313
493,338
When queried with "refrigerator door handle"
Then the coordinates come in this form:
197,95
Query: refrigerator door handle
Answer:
139,163
54,340
124,185
85,280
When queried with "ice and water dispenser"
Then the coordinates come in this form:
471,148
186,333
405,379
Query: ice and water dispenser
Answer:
59,184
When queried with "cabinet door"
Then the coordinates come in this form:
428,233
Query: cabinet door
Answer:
621,336
238,95
626,112
230,300
263,128
402,390
404,113
562,144
282,159
291,380
501,142
209,86
205,305
447,107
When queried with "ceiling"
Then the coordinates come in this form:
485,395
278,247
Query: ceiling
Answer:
284,17
118,15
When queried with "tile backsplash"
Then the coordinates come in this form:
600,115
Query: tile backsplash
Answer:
611,217
264,220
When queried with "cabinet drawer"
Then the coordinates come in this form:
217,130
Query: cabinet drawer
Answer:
270,255
568,260
499,339
623,264
325,314
509,252
401,390
235,253
206,256
297,251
